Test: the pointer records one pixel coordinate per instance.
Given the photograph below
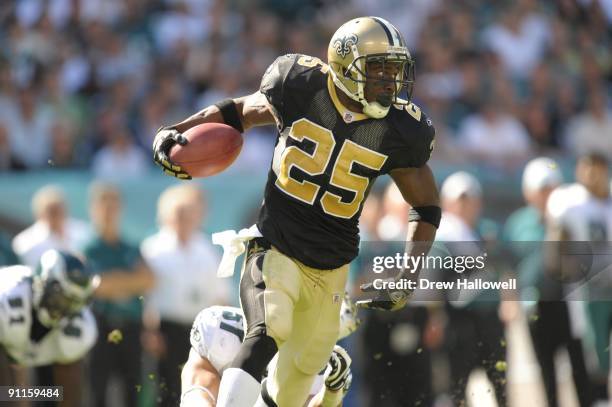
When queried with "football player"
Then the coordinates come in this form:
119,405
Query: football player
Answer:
215,339
580,213
341,125
44,320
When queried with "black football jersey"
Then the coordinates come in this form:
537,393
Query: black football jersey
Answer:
325,161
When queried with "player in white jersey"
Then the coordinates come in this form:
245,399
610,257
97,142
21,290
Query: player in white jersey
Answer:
44,320
216,336
581,213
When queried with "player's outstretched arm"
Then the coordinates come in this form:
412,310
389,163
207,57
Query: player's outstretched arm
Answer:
199,382
418,187
241,113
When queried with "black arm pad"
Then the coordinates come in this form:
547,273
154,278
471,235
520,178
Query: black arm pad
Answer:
430,214
230,114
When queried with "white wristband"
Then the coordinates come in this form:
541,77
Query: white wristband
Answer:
201,388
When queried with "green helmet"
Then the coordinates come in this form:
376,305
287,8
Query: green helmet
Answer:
62,285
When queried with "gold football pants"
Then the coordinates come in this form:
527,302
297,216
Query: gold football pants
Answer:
301,312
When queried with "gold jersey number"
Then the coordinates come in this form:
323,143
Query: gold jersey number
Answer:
286,158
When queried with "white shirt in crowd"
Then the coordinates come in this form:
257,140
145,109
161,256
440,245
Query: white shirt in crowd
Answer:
520,51
585,134
132,161
32,242
454,229
29,140
505,137
186,275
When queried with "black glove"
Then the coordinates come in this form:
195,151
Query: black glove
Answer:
165,139
385,300
340,376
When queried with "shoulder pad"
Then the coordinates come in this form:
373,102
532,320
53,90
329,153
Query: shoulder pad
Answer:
414,138
291,71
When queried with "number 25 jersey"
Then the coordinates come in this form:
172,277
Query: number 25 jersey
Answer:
325,161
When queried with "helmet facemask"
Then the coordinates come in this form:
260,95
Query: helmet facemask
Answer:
373,70
61,287
55,304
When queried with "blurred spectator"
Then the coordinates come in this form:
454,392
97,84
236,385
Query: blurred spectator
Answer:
474,333
80,57
493,137
523,229
409,16
591,130
52,229
579,213
185,264
63,145
121,152
28,124
519,39
540,176
124,277
177,27
7,160
392,224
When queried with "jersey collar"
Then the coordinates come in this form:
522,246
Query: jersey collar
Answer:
347,115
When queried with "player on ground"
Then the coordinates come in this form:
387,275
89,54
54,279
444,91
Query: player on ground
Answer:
341,125
44,320
215,339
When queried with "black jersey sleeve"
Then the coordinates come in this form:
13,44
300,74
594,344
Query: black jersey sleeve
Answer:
414,142
273,82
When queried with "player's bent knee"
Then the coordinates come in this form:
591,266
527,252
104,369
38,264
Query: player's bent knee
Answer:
255,354
279,315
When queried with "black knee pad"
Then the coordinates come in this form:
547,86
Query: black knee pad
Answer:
255,354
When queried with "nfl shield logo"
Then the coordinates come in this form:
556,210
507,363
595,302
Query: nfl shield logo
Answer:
336,298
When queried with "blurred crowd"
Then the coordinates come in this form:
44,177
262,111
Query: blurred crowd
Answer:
85,83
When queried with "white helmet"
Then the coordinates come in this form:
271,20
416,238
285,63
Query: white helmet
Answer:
62,286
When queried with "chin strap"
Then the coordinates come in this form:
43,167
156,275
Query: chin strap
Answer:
375,110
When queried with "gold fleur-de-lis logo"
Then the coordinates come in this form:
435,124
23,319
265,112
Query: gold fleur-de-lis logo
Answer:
343,44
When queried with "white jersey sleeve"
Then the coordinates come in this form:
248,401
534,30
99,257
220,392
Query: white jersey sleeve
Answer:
75,337
15,310
217,333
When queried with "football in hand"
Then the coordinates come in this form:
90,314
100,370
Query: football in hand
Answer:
211,149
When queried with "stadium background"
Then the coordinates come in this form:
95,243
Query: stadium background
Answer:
84,85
